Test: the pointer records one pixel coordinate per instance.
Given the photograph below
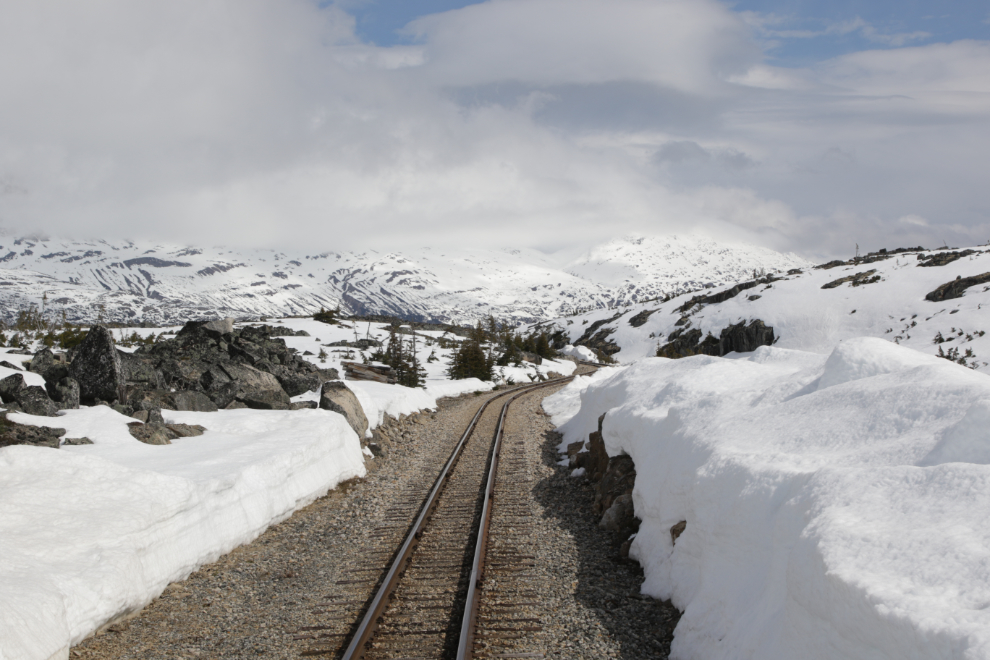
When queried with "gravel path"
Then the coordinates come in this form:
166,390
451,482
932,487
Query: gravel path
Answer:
301,583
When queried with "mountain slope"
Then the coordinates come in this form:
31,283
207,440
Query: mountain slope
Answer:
133,281
881,295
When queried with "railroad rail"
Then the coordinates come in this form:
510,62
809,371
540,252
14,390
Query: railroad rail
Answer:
429,602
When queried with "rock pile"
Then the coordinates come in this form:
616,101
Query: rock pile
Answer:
207,366
614,478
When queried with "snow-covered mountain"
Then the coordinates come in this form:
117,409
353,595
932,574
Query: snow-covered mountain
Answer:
134,281
813,309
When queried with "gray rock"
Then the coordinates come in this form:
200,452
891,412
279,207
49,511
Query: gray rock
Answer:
743,338
257,389
34,401
96,367
141,369
12,433
619,517
186,430
303,405
42,361
151,416
336,397
189,400
235,405
77,441
152,434
65,393
4,363
295,383
10,386
220,327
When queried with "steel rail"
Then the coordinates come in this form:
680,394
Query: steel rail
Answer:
366,630
465,645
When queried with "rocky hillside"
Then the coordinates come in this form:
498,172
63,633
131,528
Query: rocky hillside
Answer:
928,300
134,282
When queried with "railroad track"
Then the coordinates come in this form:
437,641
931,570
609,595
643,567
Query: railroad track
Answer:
456,584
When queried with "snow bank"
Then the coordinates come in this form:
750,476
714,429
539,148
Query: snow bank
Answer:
16,358
836,506
92,532
579,352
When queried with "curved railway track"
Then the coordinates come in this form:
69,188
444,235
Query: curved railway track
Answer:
456,586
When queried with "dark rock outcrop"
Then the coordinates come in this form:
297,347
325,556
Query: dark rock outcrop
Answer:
153,433
97,368
337,397
740,338
64,392
10,386
641,318
34,400
614,478
957,287
859,279
943,258
22,434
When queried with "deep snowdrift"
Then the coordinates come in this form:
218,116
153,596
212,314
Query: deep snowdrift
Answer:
92,532
836,506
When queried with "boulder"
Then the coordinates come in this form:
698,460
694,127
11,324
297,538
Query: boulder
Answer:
96,367
152,434
10,386
164,399
190,400
257,389
219,327
65,393
186,430
295,383
150,416
597,461
12,433
141,369
34,401
4,363
303,405
618,480
42,361
151,399
619,517
335,396
743,338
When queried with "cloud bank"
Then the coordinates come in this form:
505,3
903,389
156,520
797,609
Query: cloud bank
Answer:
542,123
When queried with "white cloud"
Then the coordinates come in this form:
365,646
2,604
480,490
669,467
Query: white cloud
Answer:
522,122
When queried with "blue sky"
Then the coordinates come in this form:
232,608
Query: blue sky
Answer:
797,32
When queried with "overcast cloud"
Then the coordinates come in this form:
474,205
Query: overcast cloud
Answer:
543,123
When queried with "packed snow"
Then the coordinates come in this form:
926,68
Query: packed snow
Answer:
91,533
837,506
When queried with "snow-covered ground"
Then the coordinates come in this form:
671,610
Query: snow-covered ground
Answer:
807,317
837,505
90,533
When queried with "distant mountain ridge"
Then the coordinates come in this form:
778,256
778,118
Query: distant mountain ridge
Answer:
142,281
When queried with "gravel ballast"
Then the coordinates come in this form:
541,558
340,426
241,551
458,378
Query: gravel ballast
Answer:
271,597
